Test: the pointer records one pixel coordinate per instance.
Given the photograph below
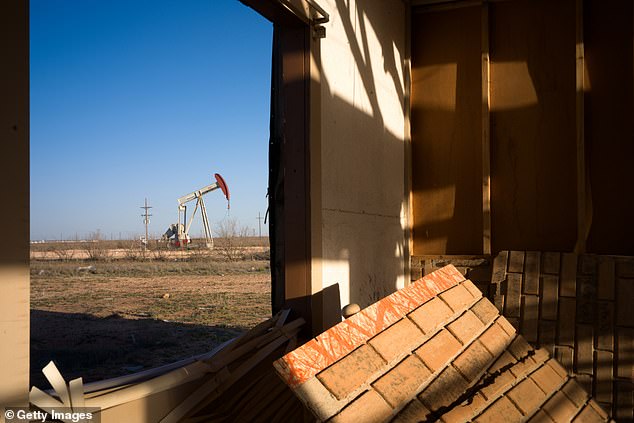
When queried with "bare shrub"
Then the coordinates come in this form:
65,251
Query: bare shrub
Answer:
95,248
230,239
62,253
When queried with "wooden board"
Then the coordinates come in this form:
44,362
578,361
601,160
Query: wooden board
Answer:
446,132
609,136
533,129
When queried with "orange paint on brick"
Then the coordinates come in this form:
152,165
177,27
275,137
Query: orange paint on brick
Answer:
305,362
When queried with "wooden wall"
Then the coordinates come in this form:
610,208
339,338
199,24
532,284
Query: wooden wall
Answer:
446,132
534,142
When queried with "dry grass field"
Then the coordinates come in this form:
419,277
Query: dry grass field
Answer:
120,310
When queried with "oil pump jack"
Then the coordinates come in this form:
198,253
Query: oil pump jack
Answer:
178,233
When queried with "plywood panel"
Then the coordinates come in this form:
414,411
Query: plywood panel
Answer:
609,133
446,132
533,131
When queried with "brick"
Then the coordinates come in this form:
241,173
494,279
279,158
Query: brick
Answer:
414,412
605,289
458,298
403,381
501,410
558,368
624,309
530,311
625,268
431,315
438,351
566,321
550,263
531,273
498,273
587,287
568,278
624,404
565,356
473,290
497,384
603,379
540,417
550,297
495,339
540,355
587,415
465,411
369,407
403,336
466,327
625,353
473,361
605,325
349,373
519,348
585,381
485,311
516,262
318,398
512,295
575,392
526,395
588,264
599,410
584,360
504,361
508,328
444,390
547,379
560,408
547,333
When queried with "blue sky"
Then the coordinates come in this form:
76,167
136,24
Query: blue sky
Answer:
137,98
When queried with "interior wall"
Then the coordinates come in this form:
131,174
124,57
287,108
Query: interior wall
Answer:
609,128
14,185
446,132
362,150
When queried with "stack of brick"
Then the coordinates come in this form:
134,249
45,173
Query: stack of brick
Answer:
579,308
435,350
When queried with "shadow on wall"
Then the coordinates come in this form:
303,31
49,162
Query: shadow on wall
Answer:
363,156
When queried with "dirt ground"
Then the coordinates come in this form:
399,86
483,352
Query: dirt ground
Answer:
120,317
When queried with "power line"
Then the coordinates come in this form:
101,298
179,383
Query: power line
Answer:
260,218
146,220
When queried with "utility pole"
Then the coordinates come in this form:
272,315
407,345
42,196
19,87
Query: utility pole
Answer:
260,223
146,220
